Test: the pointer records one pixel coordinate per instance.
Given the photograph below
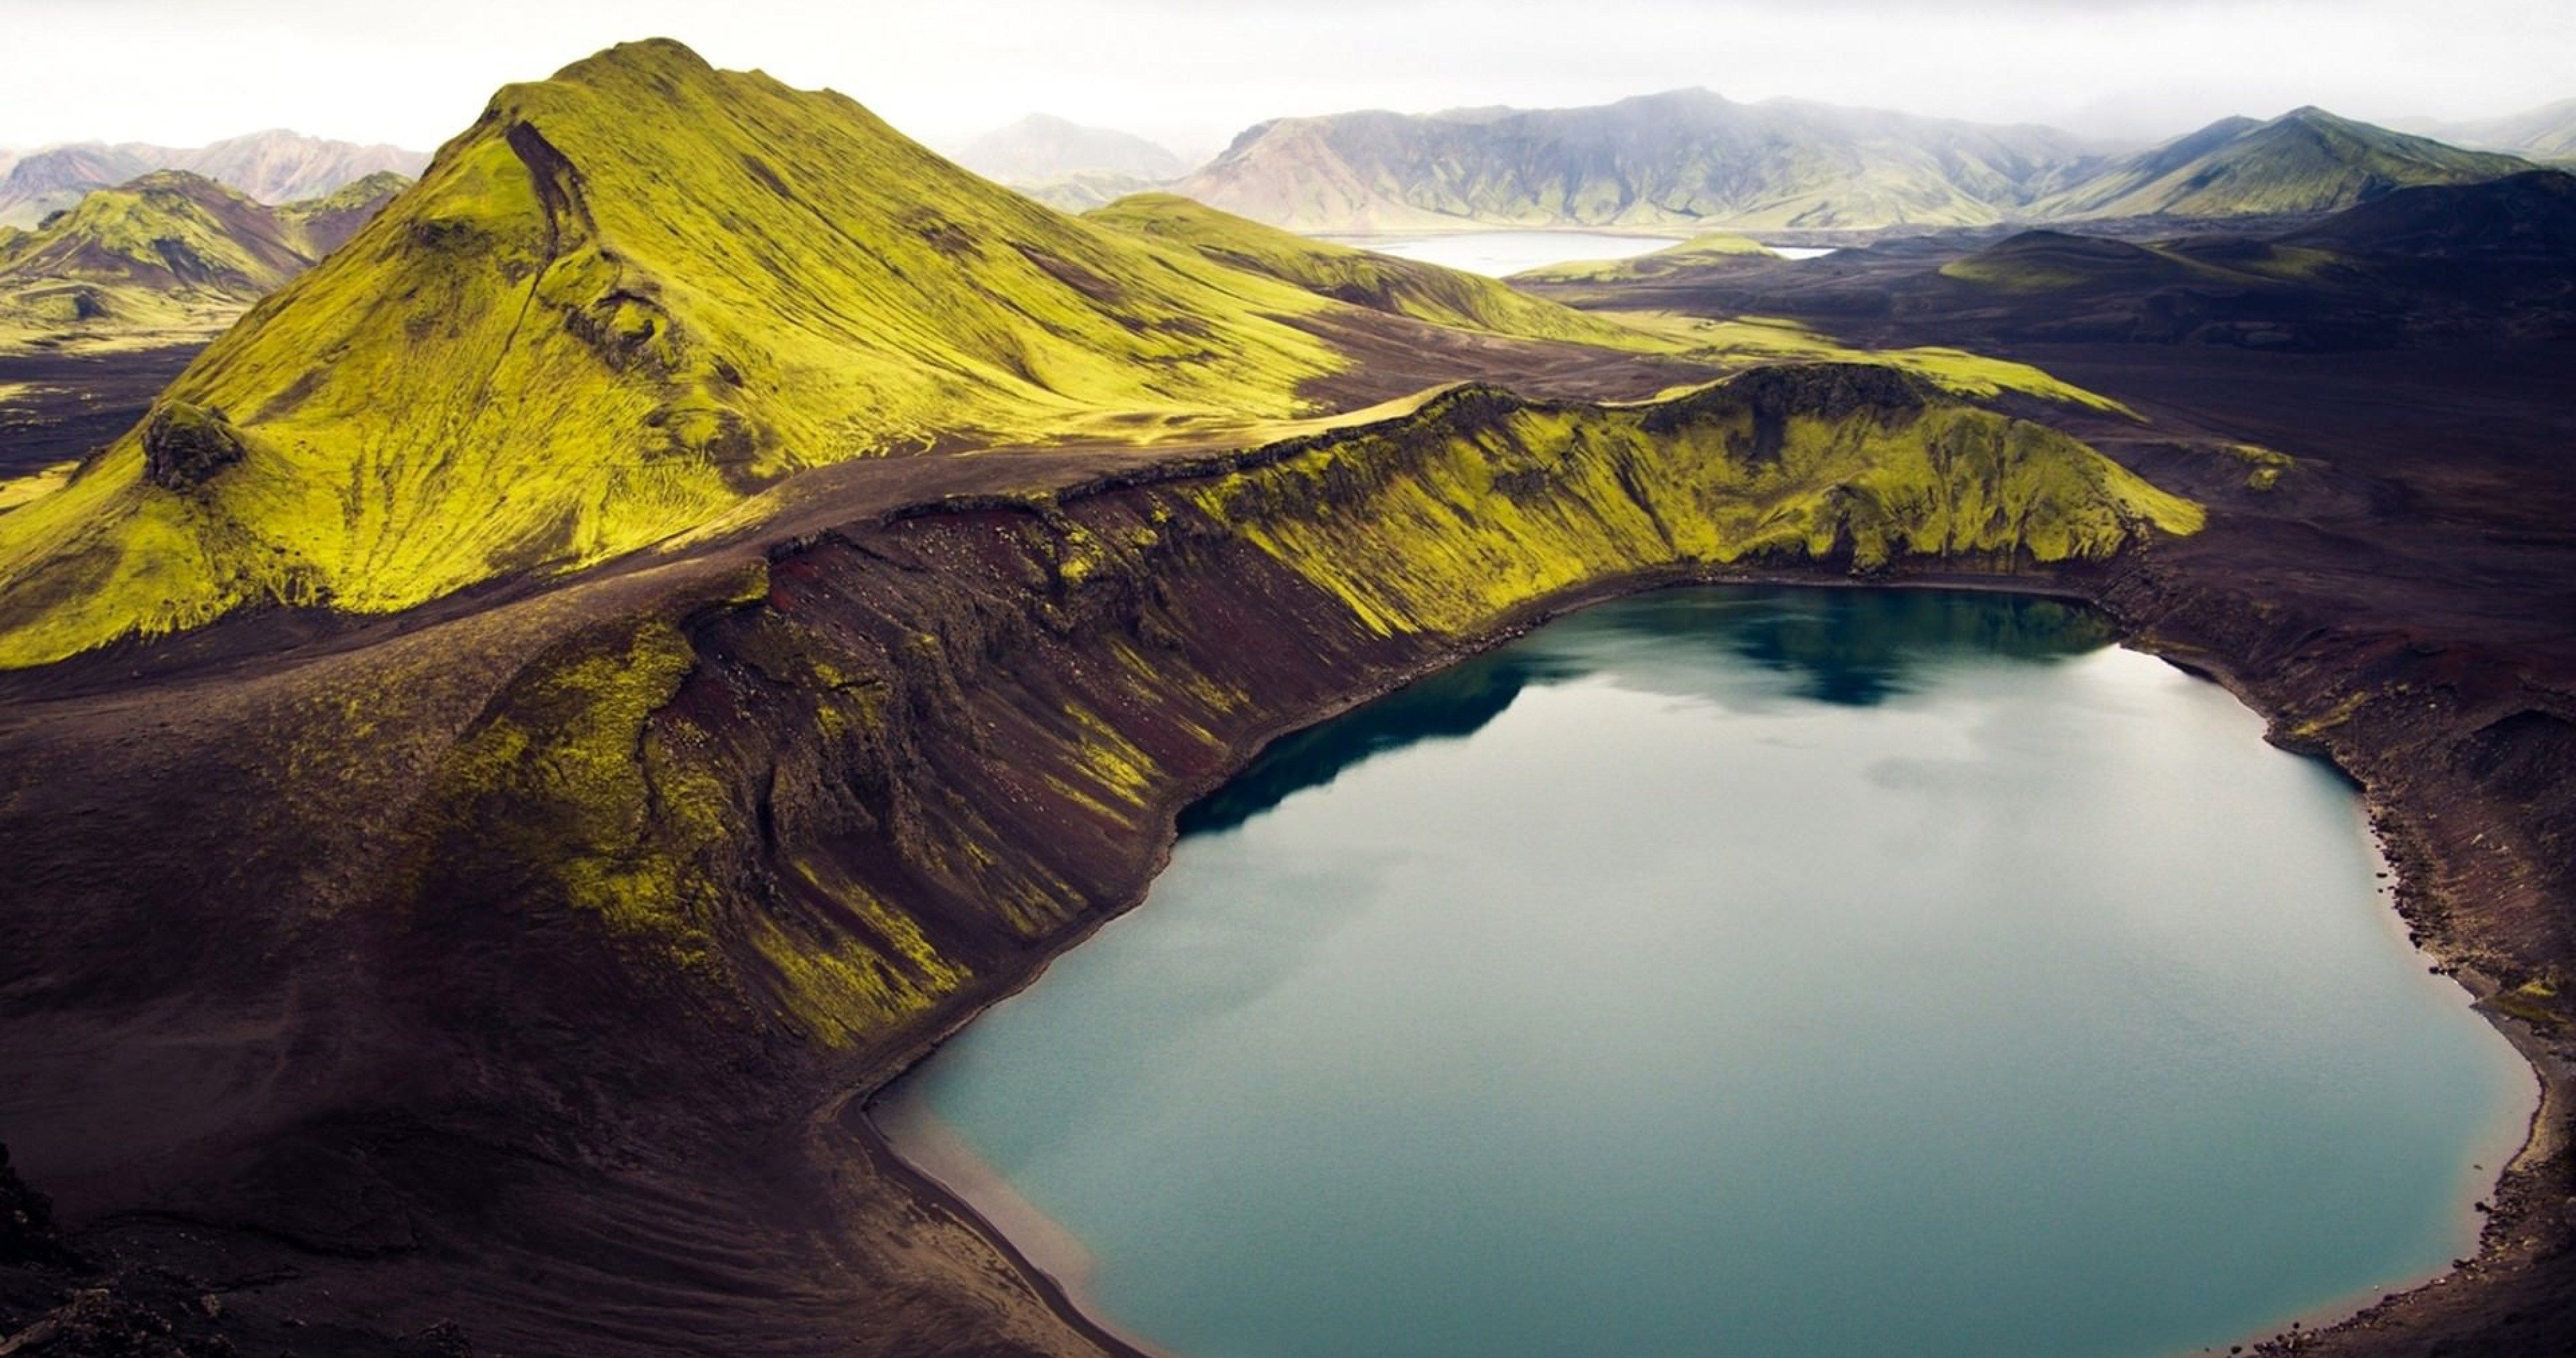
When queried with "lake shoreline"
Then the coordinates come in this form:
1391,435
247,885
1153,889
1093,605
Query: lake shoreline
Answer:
2516,1185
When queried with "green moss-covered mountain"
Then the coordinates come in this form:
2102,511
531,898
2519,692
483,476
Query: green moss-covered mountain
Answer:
1668,160
620,303
1716,248
2307,160
1378,282
168,256
2060,261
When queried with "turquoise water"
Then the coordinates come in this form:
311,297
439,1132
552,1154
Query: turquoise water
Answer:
1748,972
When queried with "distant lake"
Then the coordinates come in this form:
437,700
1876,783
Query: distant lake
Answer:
1499,254
1831,973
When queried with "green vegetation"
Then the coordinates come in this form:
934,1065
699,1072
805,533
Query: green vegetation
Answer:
1445,520
1746,340
166,258
2053,261
2263,465
580,776
1698,251
319,225
1084,192
2056,261
631,297
2307,160
566,741
622,300
2535,1002
19,490
622,776
1379,282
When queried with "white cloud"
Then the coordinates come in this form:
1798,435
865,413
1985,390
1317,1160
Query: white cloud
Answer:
1194,73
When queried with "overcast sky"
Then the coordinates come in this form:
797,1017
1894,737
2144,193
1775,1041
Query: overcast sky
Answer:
1193,72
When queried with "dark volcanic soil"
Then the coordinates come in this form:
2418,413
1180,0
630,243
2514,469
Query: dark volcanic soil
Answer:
313,1059
77,403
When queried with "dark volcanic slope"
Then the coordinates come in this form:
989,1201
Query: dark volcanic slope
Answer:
63,407
2435,266
2527,219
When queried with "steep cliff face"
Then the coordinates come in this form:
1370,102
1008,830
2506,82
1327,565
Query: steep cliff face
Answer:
930,745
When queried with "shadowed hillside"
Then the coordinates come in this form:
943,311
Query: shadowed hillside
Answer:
2432,266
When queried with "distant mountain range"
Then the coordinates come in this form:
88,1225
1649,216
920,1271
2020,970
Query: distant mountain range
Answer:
2545,133
1067,165
1658,161
1691,159
167,255
270,167
1041,147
